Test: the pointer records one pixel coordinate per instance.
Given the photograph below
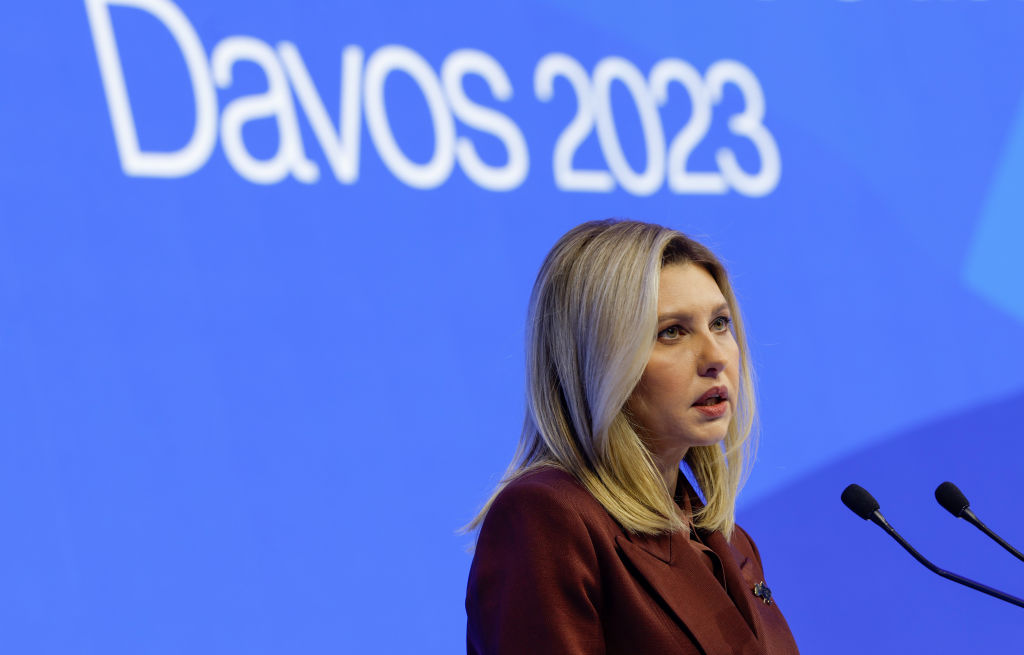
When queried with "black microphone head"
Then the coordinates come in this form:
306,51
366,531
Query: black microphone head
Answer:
860,501
951,498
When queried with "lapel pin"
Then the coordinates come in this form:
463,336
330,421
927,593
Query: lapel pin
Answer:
762,591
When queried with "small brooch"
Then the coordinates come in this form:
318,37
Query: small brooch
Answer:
762,591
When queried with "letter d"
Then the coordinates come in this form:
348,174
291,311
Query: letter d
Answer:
134,161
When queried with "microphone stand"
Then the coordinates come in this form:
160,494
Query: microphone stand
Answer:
969,516
879,520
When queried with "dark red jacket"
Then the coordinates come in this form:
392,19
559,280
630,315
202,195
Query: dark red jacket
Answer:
554,573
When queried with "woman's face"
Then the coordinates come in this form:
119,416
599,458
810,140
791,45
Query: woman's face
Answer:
687,394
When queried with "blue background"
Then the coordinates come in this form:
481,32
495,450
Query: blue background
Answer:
249,418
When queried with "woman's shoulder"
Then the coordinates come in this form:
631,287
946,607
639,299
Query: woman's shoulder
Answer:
544,479
546,495
536,576
743,543
546,485
545,526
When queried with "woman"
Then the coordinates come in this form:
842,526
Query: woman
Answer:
594,542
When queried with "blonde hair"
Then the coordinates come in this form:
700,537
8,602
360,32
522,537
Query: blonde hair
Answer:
591,327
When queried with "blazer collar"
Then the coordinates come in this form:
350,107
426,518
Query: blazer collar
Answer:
741,592
675,574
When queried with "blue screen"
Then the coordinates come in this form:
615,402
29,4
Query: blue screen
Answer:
264,269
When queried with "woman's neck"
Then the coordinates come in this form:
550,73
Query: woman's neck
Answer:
668,466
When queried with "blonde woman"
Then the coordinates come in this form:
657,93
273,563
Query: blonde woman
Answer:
595,542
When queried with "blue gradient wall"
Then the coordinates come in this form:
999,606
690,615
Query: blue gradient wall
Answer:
264,269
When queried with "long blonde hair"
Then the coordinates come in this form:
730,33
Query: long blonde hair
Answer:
591,327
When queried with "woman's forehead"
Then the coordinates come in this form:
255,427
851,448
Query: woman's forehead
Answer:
686,288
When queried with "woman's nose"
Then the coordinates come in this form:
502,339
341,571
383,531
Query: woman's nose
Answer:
711,359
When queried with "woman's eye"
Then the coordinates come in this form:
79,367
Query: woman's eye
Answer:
670,333
721,324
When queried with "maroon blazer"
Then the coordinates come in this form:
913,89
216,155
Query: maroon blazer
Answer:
554,573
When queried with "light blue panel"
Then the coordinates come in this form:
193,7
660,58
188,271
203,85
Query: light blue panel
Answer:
995,266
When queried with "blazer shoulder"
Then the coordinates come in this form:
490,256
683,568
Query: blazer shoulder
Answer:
548,490
548,501
535,582
743,542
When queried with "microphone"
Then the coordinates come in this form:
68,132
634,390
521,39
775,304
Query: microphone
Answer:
865,506
950,497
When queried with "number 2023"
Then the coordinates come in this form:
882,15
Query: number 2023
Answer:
593,109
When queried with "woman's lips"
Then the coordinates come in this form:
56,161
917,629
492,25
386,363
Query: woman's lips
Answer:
715,394
717,410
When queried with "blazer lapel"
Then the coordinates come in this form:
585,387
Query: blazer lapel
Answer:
739,590
674,572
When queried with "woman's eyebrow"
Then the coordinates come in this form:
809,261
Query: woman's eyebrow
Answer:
688,316
675,316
